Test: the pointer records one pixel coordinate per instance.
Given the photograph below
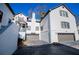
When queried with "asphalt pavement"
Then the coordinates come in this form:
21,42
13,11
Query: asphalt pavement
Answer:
47,49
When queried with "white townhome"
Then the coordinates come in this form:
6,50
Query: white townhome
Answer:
33,29
59,25
29,28
8,30
21,21
78,30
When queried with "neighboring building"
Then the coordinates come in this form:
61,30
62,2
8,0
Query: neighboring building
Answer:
78,30
8,30
59,25
21,21
29,28
33,29
77,22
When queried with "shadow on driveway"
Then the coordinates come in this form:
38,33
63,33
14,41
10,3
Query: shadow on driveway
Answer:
47,49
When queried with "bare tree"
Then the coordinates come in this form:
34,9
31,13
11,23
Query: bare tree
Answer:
40,10
30,13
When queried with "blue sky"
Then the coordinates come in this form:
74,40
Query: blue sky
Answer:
25,7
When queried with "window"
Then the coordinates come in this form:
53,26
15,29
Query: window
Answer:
23,29
29,28
41,28
63,13
65,25
1,14
37,28
9,20
78,31
23,25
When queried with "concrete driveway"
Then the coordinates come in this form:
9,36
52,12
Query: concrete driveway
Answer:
47,49
34,42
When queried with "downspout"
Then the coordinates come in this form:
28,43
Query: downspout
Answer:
49,29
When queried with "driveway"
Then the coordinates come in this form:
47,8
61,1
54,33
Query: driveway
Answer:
47,49
74,44
34,42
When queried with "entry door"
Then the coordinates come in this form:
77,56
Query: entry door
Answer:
66,37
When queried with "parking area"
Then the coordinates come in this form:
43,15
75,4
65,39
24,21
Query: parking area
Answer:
74,44
47,49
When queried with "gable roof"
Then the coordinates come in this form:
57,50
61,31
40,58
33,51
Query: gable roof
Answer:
10,8
55,8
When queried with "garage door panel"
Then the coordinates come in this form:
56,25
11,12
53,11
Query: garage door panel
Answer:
65,37
32,37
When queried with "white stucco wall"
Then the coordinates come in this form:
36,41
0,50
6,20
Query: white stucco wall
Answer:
8,40
78,30
6,14
55,24
44,34
33,25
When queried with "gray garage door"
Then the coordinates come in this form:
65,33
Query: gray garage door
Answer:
66,37
32,37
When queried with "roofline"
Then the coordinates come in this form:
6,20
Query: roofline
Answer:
63,4
9,8
45,15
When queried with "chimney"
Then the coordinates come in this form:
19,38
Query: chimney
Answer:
33,15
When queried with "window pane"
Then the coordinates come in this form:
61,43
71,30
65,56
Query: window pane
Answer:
37,28
22,29
60,13
78,31
23,25
65,25
1,14
68,25
63,13
41,28
66,14
29,28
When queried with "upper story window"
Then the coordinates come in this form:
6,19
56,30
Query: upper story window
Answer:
65,25
1,14
63,13
78,31
41,28
23,25
22,28
29,28
37,28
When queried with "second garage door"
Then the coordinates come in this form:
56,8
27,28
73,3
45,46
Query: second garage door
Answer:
32,36
66,37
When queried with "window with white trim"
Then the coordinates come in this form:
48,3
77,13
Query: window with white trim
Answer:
65,25
63,13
